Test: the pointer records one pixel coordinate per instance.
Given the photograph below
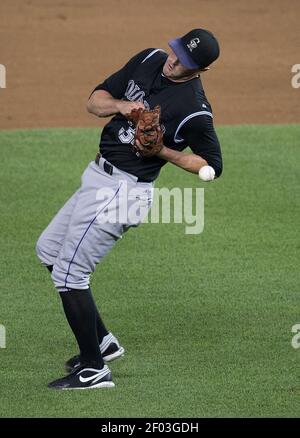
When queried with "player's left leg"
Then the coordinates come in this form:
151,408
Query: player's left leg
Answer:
110,349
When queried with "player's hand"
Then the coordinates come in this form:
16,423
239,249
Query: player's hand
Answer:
125,107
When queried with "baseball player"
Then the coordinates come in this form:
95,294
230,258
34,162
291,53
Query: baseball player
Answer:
169,86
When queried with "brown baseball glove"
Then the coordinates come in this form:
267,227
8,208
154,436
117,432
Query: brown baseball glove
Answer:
148,139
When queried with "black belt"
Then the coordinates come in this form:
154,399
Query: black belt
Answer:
109,168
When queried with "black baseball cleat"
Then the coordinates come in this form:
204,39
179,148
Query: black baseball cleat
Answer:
110,350
85,378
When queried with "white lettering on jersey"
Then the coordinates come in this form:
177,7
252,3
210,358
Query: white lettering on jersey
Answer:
126,135
134,93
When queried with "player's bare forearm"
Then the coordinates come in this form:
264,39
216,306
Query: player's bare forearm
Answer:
187,161
103,104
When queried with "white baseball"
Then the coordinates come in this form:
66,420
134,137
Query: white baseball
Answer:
207,173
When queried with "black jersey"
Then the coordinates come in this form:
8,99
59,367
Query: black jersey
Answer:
186,116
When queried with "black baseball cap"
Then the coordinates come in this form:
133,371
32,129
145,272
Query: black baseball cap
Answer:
197,49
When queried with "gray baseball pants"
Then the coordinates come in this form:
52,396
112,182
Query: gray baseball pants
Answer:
90,223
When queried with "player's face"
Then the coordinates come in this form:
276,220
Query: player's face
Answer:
174,70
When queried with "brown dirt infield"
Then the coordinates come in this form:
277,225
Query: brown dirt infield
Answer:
56,51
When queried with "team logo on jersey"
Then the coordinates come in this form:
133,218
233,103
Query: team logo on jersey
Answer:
134,93
193,44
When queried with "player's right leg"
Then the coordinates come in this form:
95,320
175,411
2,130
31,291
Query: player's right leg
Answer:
52,238
47,248
85,243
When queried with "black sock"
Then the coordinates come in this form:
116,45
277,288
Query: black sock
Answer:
101,329
81,314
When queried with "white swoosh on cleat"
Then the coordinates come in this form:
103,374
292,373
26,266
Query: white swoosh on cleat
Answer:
96,376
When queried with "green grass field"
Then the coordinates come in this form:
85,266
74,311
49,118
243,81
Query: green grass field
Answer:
205,319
